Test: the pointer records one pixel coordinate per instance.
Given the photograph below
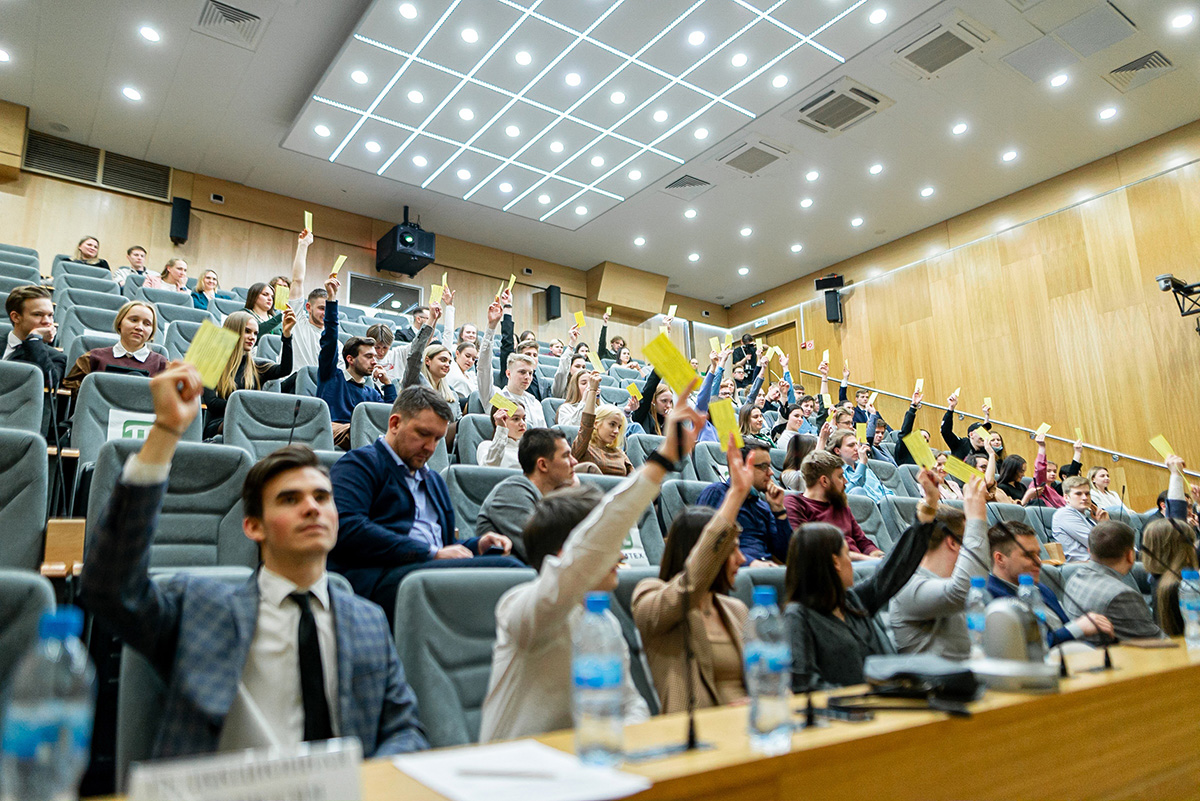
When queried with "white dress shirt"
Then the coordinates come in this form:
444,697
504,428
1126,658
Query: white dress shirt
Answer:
141,354
13,342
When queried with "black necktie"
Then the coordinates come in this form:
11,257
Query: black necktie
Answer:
312,673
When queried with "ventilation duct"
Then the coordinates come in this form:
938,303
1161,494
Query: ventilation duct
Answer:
136,176
840,107
231,24
942,45
752,156
1140,71
60,158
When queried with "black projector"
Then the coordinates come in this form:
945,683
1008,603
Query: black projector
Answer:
404,249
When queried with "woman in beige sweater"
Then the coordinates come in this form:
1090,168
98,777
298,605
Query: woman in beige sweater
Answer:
601,434
691,596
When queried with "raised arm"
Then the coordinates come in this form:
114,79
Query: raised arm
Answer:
300,266
587,418
558,387
951,439
901,562
327,362
416,352
483,368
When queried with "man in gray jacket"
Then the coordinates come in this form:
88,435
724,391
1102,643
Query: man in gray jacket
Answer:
1099,585
928,615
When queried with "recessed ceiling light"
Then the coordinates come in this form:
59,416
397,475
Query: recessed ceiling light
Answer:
690,214
373,146
779,81
149,34
131,93
876,169
856,222
746,231
660,115
696,38
408,11
1108,113
1182,21
464,175
466,114
739,60
420,161
470,35
812,175
581,210
693,257
743,271
877,16
524,59
4,56
321,130
544,200
927,191
505,187
573,79
639,241
796,248
1059,80
701,133
556,147
597,161
617,98
1010,155
415,97
804,204
358,76
512,130
635,175
959,129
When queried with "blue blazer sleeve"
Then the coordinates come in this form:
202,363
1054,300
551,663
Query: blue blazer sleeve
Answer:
400,729
357,480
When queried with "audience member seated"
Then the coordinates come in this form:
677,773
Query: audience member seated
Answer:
753,425
1099,586
1015,549
961,448
571,410
31,312
173,277
657,402
429,365
306,336
136,323
568,363
795,419
1009,487
467,332
395,512
287,656
824,501
928,614
1072,524
831,619
601,437
503,449
761,515
951,489
798,448
877,430
860,478
462,377
1044,475
136,256
88,252
206,290
260,304
1168,549
420,316
608,349
520,371
546,465
690,626
1102,496
390,356
243,371
574,542
342,391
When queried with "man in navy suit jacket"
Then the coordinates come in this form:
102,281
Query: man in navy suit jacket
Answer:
289,655
394,512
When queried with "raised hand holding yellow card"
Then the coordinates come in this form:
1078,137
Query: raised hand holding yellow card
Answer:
957,391
988,403
714,344
444,284
633,390
580,322
1041,430
920,385
337,265
729,340
608,309
308,221
871,400
435,293
512,279
825,357
211,347
1161,445
500,291
918,449
1078,433
281,296
594,358
672,365
961,470
725,420
501,402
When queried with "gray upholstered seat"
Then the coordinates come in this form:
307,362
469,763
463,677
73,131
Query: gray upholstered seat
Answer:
352,328
261,422
674,498
21,395
20,272
617,396
168,297
709,461
651,532
23,488
24,597
889,476
908,475
472,430
1040,519
85,319
227,306
870,519
179,338
469,486
269,347
639,446
369,421
65,297
1008,512
550,409
169,314
624,374
75,268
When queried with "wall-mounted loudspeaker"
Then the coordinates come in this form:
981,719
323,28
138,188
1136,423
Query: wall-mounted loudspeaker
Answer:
181,212
833,306
553,302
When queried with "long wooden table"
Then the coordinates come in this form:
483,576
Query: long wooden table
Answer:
1129,733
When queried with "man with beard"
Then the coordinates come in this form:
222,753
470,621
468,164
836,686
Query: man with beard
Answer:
765,529
824,501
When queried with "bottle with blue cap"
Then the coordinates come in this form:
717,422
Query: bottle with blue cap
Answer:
47,731
1030,595
976,610
598,666
768,654
1189,607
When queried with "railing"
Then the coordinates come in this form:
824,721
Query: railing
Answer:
1116,456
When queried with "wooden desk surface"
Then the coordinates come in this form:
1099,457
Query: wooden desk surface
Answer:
1129,733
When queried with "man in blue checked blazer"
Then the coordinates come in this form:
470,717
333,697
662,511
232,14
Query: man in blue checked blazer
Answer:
284,658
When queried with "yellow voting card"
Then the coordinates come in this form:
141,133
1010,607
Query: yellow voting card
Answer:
960,469
1041,430
308,221
444,284
1161,445
1078,433
729,340
825,357
725,420
828,400
860,431
501,402
281,296
337,265
594,358
435,293
957,391
608,309
920,385
987,402
512,279
672,365
918,449
871,400
758,343
211,347
500,291
671,311
633,390
579,321
714,343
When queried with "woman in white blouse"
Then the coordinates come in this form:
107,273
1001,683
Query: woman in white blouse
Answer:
501,449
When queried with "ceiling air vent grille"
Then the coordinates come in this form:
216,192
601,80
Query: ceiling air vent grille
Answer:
687,187
751,156
944,44
1140,71
230,24
840,107
54,156
134,175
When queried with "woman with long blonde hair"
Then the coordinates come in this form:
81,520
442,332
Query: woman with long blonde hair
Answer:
88,252
601,437
569,413
243,371
172,277
1168,549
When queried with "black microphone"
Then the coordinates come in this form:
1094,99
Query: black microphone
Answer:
689,661
295,415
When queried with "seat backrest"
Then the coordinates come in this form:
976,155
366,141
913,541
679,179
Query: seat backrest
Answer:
86,342
168,297
648,528
639,446
767,577
908,475
674,498
888,475
709,459
1008,512
261,422
870,519
269,347
370,420
23,487
1040,519
84,319
550,408
20,250
170,313
179,337
570,432
472,430
352,328
617,396
77,268
201,519
24,597
227,306
8,284
469,486
22,395
21,272
100,395
445,626
66,297
625,374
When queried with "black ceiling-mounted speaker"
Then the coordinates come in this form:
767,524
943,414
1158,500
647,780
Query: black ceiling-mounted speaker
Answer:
181,212
833,306
553,302
831,281
404,249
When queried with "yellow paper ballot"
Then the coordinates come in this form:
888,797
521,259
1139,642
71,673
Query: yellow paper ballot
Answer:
594,358
725,419
1078,433
211,347
714,344
1160,444
729,340
957,391
608,309
672,365
860,431
918,449
308,221
960,469
512,279
758,343
337,265
846,363
579,321
1041,430
501,402
828,400
281,296
987,402
671,311
444,284
920,385
500,291
871,400
633,390
435,293
825,357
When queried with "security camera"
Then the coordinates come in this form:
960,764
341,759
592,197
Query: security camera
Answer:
1169,283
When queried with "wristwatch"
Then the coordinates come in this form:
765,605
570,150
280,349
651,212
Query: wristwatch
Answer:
664,462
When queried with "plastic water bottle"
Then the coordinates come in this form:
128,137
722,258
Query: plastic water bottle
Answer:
598,671
977,614
48,723
1029,594
768,675
1189,607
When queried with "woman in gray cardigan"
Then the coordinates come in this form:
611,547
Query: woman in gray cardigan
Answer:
832,620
